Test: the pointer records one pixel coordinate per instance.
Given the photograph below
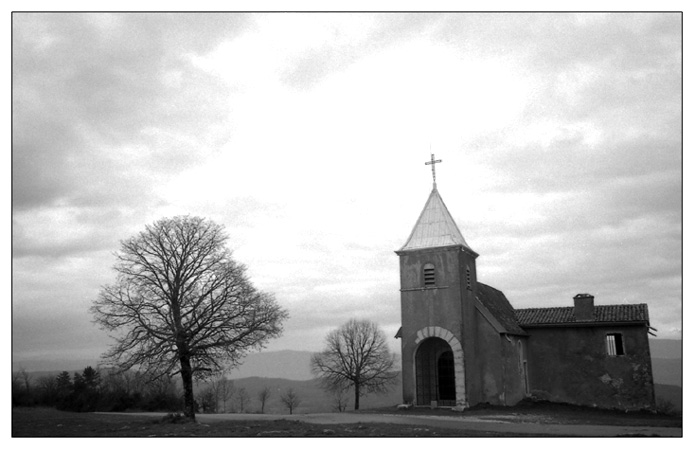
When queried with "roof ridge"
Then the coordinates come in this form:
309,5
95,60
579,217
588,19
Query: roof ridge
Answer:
613,305
543,307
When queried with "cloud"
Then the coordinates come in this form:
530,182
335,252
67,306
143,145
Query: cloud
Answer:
306,135
95,95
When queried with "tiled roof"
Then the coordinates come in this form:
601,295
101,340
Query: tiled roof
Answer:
435,227
565,315
496,302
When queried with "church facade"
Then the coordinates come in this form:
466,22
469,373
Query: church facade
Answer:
462,342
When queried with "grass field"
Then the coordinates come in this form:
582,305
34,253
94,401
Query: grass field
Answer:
44,422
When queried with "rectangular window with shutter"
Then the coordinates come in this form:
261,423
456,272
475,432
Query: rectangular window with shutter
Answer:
614,344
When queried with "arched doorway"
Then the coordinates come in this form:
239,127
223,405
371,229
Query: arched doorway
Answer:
435,379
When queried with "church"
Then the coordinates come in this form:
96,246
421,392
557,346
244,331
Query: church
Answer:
463,343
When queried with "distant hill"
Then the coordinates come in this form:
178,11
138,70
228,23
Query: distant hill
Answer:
666,348
667,371
667,363
287,364
48,365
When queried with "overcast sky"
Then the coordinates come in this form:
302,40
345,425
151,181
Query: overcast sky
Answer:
305,135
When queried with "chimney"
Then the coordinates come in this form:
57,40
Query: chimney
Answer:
583,307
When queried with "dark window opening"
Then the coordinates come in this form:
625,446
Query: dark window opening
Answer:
526,385
429,275
468,278
614,344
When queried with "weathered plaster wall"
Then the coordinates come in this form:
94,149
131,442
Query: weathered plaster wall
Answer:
499,366
571,364
513,350
489,367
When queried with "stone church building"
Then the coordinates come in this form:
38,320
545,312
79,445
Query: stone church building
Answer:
463,343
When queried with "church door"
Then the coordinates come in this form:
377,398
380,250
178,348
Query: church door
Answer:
434,373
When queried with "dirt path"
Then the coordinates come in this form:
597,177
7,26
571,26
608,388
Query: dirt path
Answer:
488,424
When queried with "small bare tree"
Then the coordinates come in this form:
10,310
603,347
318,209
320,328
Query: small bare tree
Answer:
263,396
290,399
207,400
243,399
26,379
182,305
225,390
357,356
340,398
49,389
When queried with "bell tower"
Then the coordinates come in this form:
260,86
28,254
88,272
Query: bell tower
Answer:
438,284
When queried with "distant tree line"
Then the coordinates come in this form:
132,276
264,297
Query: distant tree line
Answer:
117,391
92,391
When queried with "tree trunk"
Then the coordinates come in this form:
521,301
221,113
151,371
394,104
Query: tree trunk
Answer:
357,396
187,378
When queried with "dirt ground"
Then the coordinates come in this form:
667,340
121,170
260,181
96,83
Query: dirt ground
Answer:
532,419
551,413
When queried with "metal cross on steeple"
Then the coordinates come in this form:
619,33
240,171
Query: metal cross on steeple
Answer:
432,162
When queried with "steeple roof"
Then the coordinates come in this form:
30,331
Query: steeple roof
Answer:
435,227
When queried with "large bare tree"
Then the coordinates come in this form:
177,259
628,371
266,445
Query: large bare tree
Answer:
356,356
182,305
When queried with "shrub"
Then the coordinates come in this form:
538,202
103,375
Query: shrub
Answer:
665,407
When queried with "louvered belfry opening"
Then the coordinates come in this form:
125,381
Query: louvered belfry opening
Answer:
435,378
428,273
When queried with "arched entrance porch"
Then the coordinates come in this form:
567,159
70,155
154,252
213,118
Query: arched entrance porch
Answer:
435,379
438,369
